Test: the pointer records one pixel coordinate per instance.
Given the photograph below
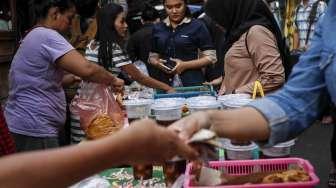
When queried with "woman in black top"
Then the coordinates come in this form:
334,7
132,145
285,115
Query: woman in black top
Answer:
176,43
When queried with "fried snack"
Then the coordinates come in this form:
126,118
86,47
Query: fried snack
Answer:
274,178
185,109
101,126
294,175
119,99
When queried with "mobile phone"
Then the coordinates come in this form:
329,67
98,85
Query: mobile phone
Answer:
171,64
167,68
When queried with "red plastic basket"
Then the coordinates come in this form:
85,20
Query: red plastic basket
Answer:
243,167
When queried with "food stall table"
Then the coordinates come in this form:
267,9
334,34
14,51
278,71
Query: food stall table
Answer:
123,177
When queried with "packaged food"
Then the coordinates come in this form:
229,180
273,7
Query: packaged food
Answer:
203,103
167,110
240,151
234,100
138,108
279,150
99,113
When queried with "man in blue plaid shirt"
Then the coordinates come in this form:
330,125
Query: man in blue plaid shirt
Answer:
303,22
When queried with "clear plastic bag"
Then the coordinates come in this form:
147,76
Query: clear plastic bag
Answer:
94,100
92,182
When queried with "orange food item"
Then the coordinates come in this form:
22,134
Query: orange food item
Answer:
295,175
101,126
119,99
185,109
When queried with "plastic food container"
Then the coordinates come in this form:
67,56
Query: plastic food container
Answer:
199,98
279,150
244,167
166,100
240,152
138,108
234,100
167,110
203,103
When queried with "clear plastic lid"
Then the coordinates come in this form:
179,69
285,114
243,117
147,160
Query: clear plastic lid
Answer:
236,103
234,96
168,103
203,103
138,102
199,98
286,144
229,146
180,99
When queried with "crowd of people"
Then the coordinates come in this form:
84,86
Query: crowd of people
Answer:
229,44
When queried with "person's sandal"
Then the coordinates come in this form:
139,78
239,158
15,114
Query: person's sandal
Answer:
332,179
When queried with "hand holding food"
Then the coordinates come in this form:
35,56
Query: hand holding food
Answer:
162,143
189,125
118,85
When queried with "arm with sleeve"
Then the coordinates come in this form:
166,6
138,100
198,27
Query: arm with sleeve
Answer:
205,44
55,47
265,56
295,107
154,51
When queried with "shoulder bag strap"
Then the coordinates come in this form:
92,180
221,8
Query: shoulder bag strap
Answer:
311,19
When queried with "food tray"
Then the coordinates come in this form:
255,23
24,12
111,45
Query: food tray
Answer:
244,167
186,92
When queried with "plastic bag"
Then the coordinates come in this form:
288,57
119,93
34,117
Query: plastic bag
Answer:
96,100
92,182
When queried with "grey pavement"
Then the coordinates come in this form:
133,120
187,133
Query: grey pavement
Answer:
314,145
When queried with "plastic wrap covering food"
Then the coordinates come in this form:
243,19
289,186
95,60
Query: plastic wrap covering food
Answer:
92,182
99,113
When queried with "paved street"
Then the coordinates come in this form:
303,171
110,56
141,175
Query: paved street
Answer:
313,145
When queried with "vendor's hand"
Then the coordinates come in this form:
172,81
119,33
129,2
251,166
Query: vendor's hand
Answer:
70,79
215,82
152,144
222,89
207,83
171,90
179,68
159,63
189,125
118,85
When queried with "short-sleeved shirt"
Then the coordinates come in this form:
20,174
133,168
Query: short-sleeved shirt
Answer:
302,20
119,57
183,42
36,104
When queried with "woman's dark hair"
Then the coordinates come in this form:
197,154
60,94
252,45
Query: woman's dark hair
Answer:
38,9
187,11
106,32
86,8
149,13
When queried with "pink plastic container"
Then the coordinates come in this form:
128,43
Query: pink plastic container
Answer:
243,167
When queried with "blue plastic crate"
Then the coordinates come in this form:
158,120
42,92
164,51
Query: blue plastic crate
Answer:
185,93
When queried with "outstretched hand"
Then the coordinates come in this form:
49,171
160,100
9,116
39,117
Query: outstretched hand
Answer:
189,125
152,144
